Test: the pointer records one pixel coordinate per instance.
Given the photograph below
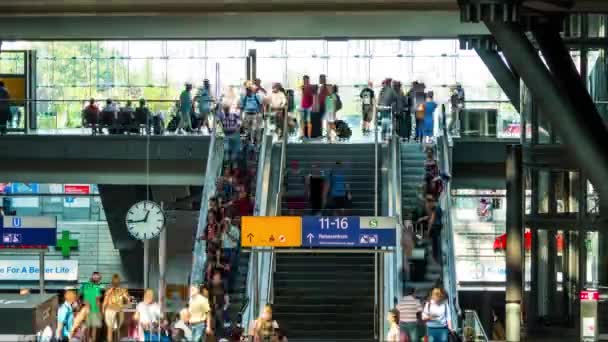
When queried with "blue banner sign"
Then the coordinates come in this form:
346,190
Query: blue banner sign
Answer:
348,231
28,231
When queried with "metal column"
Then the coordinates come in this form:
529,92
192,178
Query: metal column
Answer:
583,132
251,66
515,244
41,273
146,263
502,74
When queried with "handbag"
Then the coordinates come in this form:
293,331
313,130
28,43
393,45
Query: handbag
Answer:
453,337
420,109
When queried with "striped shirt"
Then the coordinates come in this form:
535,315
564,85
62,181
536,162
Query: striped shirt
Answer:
408,307
231,122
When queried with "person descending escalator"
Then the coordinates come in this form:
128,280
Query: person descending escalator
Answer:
429,118
386,104
437,315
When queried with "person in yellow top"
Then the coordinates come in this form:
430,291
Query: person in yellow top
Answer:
200,314
114,300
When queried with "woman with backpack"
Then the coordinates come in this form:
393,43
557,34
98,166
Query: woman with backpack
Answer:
436,314
332,105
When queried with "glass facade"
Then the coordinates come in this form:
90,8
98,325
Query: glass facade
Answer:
71,72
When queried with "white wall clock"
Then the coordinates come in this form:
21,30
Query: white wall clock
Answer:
145,220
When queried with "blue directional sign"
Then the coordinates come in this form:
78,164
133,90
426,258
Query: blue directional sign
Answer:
349,231
28,230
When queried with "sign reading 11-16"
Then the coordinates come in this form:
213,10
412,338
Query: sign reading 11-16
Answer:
349,231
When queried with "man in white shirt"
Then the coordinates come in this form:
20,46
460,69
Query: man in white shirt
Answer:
183,323
200,314
231,238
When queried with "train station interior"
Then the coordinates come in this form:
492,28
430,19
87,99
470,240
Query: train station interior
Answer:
319,171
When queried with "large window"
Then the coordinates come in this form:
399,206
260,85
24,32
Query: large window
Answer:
71,72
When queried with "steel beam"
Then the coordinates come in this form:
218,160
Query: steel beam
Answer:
502,74
515,233
582,132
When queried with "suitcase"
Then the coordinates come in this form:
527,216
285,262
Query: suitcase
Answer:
316,119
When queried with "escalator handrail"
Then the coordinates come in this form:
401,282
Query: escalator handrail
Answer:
252,284
449,269
213,170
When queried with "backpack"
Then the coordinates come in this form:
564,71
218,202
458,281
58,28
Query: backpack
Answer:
244,98
343,131
338,103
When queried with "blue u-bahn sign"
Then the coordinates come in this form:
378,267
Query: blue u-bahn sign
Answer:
18,231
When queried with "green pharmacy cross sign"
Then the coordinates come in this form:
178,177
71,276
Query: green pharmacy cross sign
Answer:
65,244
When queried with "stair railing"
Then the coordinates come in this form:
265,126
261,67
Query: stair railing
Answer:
215,158
472,328
261,263
447,234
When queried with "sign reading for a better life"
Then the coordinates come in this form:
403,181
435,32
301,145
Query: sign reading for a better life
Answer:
271,231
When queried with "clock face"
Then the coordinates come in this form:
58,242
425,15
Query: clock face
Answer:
145,220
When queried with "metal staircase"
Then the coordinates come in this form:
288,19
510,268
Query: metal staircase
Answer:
325,297
357,165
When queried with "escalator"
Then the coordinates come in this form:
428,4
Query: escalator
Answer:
412,194
327,295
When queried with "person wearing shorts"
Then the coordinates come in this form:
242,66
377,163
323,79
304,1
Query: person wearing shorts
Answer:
367,107
331,108
91,294
251,106
114,300
306,107
205,102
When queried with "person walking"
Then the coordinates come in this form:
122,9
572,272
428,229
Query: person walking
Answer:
185,110
278,101
429,118
331,107
231,123
91,294
436,314
409,308
199,312
386,104
251,107
367,107
306,107
5,107
65,316
115,299
205,102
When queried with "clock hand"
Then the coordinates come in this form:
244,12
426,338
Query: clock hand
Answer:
146,217
135,221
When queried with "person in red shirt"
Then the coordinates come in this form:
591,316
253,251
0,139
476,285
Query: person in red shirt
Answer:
306,107
91,115
243,204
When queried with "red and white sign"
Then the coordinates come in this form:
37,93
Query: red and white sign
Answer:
590,295
77,189
77,201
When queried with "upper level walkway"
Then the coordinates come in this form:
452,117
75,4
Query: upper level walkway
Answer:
77,157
